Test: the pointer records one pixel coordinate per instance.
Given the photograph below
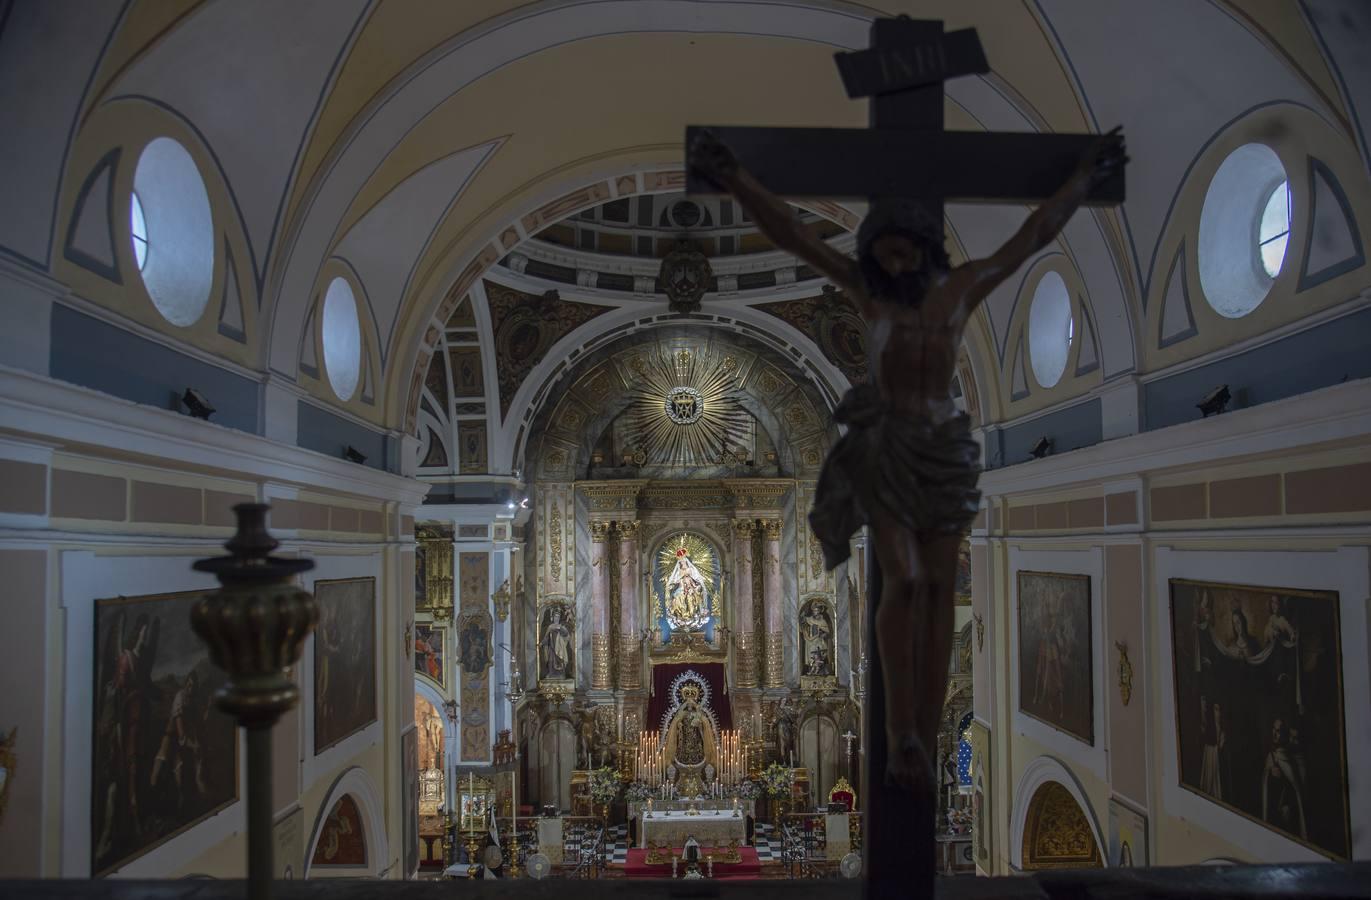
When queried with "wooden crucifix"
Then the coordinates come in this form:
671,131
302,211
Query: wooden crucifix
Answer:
907,465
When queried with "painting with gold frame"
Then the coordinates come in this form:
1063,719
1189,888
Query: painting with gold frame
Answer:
1056,652
163,757
1260,724
430,657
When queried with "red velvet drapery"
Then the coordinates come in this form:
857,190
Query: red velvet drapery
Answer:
664,674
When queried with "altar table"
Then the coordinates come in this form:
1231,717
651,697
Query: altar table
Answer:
709,828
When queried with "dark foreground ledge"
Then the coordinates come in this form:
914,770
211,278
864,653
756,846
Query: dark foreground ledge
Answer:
1210,882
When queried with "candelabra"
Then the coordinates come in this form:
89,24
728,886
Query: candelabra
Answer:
859,680
255,626
515,692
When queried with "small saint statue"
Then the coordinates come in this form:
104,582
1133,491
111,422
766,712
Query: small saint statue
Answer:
907,466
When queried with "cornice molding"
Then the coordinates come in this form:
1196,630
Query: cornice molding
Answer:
77,417
1333,414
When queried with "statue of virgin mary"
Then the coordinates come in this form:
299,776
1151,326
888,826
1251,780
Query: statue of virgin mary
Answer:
685,593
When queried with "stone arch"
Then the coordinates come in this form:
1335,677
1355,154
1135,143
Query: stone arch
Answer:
821,753
356,783
557,440
556,760
1050,807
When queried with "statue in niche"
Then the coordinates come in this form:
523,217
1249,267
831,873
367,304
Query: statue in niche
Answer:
690,737
555,649
816,634
585,736
685,590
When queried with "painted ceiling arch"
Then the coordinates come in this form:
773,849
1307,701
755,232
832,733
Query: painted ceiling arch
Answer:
621,377
349,111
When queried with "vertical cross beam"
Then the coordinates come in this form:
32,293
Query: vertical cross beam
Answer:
900,840
919,108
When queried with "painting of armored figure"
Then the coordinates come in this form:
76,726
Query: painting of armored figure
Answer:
164,757
344,660
1259,707
1056,678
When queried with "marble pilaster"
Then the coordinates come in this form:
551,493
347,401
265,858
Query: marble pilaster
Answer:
629,654
771,603
599,606
745,637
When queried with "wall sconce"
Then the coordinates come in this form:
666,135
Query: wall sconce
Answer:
197,403
1125,673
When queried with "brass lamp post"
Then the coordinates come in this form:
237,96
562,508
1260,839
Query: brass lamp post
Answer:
255,626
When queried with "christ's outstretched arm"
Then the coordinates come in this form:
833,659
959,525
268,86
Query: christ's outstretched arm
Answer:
1101,162
712,159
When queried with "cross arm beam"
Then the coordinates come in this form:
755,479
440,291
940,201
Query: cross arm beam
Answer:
952,166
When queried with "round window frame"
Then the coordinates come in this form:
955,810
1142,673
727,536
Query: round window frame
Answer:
1233,278
1033,354
334,373
174,198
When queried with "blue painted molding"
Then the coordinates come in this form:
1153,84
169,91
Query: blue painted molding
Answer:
102,356
1316,358
330,434
1069,429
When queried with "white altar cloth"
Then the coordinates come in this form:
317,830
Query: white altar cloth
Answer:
710,828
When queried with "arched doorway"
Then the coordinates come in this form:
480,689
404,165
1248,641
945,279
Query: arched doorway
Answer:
432,792
1057,833
821,754
556,760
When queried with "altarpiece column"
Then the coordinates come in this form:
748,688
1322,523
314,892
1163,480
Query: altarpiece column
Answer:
630,658
599,606
771,603
745,640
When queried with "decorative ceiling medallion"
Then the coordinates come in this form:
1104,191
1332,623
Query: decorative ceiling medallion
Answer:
679,386
685,405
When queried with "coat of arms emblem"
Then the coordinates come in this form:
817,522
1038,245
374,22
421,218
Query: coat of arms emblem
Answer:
685,276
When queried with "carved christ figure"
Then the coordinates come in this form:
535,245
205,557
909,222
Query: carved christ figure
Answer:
907,466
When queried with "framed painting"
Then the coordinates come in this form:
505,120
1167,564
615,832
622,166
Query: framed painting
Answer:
430,644
344,659
163,757
1259,707
1056,673
1127,836
963,589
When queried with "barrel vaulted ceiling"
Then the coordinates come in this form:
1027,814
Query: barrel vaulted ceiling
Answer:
419,144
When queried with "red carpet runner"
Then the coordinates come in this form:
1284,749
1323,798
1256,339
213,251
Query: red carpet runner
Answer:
748,867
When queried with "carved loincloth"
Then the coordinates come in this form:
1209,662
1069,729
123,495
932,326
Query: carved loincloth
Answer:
921,472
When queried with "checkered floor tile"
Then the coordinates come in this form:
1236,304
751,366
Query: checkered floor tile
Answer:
766,842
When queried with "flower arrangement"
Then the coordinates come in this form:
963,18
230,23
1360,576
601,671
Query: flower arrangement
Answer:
959,821
638,791
778,780
747,790
604,785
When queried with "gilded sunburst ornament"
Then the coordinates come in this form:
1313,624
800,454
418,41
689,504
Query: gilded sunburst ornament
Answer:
685,408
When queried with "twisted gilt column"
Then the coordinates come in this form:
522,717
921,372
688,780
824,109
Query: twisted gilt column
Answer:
771,602
630,662
745,661
599,606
